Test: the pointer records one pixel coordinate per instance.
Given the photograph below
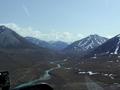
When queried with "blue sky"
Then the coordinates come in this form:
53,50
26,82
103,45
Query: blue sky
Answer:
73,19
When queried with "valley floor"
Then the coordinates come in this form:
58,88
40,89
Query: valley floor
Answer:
70,75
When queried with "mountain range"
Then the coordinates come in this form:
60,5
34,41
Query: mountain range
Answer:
53,45
58,45
90,45
26,57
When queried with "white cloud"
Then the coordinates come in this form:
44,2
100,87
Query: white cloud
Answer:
53,35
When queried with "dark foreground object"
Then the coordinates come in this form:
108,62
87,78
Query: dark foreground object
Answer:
37,87
4,80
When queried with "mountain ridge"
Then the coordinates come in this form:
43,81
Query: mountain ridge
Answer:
53,45
10,39
85,45
112,46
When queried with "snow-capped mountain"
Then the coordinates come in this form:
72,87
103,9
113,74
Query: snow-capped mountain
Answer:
85,45
112,46
10,39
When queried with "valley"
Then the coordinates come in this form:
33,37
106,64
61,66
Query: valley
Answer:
92,63
62,44
80,76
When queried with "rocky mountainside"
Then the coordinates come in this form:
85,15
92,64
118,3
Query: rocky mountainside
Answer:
38,42
85,45
10,39
53,45
112,46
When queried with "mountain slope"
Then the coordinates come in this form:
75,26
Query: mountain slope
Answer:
10,39
112,46
38,42
54,45
58,45
24,60
85,45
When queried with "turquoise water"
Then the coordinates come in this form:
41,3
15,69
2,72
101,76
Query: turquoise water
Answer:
45,77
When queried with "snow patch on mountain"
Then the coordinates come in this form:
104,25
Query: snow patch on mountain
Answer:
118,35
111,47
117,47
91,41
86,44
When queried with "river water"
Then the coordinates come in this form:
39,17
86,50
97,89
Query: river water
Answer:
45,77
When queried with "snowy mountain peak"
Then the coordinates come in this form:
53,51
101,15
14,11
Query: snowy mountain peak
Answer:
86,44
91,42
112,46
118,36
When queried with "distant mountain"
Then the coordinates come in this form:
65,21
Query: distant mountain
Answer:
58,45
38,42
54,45
85,45
10,39
112,46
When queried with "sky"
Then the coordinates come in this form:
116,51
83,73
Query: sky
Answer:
66,20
